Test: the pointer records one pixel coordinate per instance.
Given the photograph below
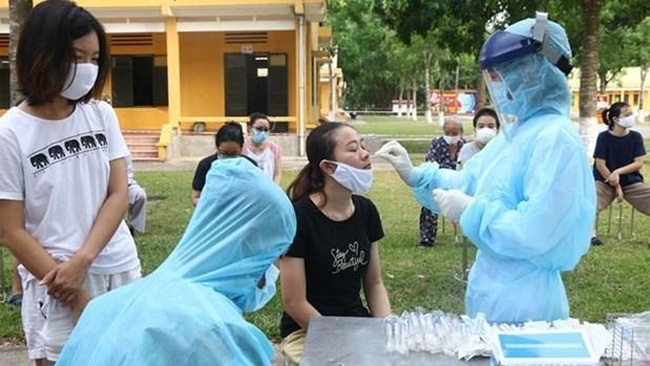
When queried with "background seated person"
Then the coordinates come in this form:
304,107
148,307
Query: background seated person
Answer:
618,159
137,212
486,126
229,141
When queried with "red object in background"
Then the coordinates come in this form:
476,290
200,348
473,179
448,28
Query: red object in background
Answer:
450,100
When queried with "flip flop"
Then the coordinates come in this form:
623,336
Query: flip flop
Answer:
16,300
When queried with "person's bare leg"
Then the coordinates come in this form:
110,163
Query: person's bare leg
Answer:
16,281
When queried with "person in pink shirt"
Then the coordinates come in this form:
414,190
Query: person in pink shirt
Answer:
266,154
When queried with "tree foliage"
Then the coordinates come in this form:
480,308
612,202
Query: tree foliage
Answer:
18,10
385,44
366,52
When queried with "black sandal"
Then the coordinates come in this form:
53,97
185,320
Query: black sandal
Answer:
16,300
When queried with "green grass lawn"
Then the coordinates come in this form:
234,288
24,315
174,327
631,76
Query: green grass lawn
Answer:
611,278
403,127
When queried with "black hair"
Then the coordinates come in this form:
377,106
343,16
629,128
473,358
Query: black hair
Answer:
255,116
486,112
611,112
230,131
320,146
45,51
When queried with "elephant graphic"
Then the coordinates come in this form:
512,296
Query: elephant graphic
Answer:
72,146
56,152
88,141
39,161
101,139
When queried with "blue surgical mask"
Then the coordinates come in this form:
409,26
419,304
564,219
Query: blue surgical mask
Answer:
259,137
356,180
261,296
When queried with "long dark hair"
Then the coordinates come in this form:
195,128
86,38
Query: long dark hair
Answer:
320,146
45,52
611,112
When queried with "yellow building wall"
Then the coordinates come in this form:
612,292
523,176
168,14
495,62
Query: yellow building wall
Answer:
324,98
624,88
202,75
141,118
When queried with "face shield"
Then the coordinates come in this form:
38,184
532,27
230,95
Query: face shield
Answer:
504,50
501,97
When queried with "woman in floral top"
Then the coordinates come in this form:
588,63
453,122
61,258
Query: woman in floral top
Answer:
444,150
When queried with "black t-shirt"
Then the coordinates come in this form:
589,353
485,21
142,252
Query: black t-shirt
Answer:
618,151
204,166
202,171
336,254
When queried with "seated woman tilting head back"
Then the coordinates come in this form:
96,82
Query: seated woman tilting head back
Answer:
335,252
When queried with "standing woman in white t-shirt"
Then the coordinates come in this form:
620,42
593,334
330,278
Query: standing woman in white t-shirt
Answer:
63,182
266,154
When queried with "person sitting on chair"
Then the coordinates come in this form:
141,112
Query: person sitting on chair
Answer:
137,213
618,159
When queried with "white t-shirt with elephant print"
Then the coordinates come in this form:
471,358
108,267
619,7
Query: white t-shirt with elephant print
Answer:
60,170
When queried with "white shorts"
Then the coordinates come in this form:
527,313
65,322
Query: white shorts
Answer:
48,324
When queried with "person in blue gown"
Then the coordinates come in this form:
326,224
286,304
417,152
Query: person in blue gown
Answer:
189,310
527,200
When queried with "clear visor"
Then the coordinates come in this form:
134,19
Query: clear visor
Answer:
501,96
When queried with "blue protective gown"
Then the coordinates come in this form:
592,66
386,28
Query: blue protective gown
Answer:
534,202
189,311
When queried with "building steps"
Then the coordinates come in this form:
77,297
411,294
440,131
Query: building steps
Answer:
142,144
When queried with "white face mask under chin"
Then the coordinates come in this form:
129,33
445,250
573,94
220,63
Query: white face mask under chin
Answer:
80,80
356,180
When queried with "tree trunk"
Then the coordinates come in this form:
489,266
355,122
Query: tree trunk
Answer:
480,91
414,104
641,114
427,91
18,10
401,99
441,110
589,72
602,80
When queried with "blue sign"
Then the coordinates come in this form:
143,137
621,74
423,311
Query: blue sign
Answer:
544,345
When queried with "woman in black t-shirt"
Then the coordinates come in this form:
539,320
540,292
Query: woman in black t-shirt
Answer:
229,141
618,159
335,252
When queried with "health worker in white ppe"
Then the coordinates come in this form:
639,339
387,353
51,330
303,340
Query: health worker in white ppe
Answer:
527,201
189,310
